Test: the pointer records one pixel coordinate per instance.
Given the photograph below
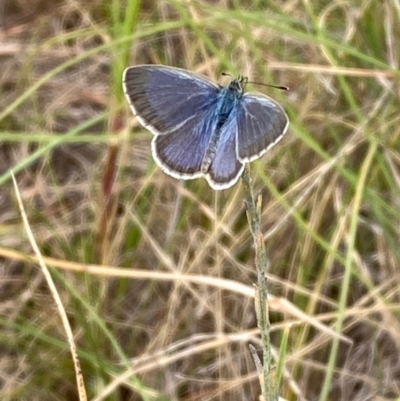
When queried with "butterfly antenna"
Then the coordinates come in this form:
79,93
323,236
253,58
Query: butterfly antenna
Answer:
246,81
283,88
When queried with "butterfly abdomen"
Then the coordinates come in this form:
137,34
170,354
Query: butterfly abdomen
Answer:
229,99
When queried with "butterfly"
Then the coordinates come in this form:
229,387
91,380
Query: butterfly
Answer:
201,128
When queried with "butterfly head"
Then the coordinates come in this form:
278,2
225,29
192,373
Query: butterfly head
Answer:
238,84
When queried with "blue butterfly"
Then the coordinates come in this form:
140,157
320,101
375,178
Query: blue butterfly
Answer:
201,128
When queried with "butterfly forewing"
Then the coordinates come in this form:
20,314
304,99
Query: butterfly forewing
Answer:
261,122
164,98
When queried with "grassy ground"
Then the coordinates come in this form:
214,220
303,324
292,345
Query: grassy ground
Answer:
156,276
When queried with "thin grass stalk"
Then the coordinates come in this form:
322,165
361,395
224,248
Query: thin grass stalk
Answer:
268,384
123,24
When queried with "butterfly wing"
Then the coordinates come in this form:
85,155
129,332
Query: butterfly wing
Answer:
261,123
177,106
166,98
225,168
181,152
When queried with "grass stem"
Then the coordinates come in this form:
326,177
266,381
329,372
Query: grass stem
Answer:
253,210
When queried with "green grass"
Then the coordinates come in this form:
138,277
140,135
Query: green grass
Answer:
157,276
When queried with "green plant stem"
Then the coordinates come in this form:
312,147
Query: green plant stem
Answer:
253,210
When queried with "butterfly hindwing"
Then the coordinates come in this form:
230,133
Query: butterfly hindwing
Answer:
181,152
225,168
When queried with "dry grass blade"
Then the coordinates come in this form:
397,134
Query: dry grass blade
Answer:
56,296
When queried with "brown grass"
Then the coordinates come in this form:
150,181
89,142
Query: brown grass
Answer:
162,305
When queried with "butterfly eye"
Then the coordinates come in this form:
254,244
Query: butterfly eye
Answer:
243,81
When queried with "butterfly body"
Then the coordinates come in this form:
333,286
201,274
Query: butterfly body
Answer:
200,128
228,101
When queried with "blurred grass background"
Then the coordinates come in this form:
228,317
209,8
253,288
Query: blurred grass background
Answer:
157,275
